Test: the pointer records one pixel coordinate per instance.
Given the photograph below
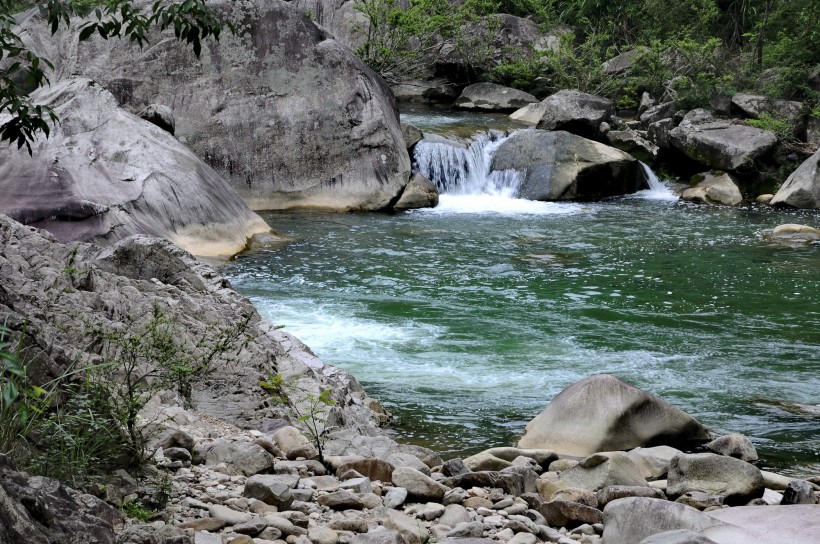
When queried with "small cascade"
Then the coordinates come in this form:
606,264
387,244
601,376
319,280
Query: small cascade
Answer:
457,169
657,189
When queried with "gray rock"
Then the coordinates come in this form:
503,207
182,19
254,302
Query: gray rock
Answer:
653,462
417,484
560,513
771,525
511,484
802,188
714,189
240,457
466,530
575,112
602,470
799,492
207,538
454,467
752,105
737,481
399,459
375,469
357,485
528,474
160,115
647,101
284,526
143,181
720,144
252,527
434,90
680,536
298,121
485,461
795,234
623,62
413,531
294,444
630,520
420,192
603,413
634,144
540,456
658,133
576,494
657,113
341,500
379,536
524,538
228,515
322,535
411,133
453,515
493,97
614,492
395,497
562,166
275,490
734,445
700,500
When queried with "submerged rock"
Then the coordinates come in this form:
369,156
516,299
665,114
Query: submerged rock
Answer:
104,174
563,166
603,413
797,234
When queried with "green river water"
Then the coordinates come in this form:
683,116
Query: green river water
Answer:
467,319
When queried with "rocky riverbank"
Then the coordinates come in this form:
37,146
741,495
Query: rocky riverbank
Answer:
231,468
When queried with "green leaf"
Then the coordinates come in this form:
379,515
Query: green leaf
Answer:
87,31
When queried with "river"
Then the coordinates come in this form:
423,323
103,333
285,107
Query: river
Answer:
465,320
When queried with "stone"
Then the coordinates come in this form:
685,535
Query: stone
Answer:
524,538
576,494
413,531
239,457
493,97
634,144
454,467
795,234
630,520
322,535
252,527
395,497
399,459
485,461
700,500
603,413
799,492
453,515
647,101
228,515
563,166
530,477
275,490
512,484
322,131
419,192
765,525
653,462
379,536
294,444
560,513
542,457
752,105
802,188
466,530
427,512
411,133
203,524
657,113
679,536
658,133
160,115
357,485
207,538
142,181
723,145
562,464
614,492
737,481
734,445
715,189
341,500
417,484
177,454
351,524
281,524
574,112
764,198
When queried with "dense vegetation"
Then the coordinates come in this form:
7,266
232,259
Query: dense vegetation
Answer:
690,50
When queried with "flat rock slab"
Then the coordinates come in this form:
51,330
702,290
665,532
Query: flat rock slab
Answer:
798,523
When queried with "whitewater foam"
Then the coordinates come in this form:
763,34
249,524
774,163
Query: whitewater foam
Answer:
657,189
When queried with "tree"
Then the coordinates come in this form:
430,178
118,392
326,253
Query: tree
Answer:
22,71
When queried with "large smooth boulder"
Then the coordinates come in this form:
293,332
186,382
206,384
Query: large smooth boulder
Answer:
802,188
798,523
573,111
340,17
753,105
714,189
630,520
420,192
239,457
281,110
734,445
603,413
737,481
104,174
563,166
725,145
493,97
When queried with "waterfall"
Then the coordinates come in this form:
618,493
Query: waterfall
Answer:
459,169
657,189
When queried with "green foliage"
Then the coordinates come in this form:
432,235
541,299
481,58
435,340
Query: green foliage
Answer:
781,127
310,415
24,71
135,509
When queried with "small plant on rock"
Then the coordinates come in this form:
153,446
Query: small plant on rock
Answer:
311,416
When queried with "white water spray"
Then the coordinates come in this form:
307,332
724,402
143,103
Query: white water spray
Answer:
657,189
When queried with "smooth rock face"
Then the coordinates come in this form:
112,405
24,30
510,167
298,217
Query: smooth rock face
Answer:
239,457
734,445
562,166
294,444
802,188
287,115
602,470
104,174
417,484
493,97
420,192
603,413
575,112
720,144
714,189
615,492
630,520
653,462
560,513
681,536
737,481
799,523
274,490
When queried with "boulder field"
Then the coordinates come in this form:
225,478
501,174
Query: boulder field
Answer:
234,470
